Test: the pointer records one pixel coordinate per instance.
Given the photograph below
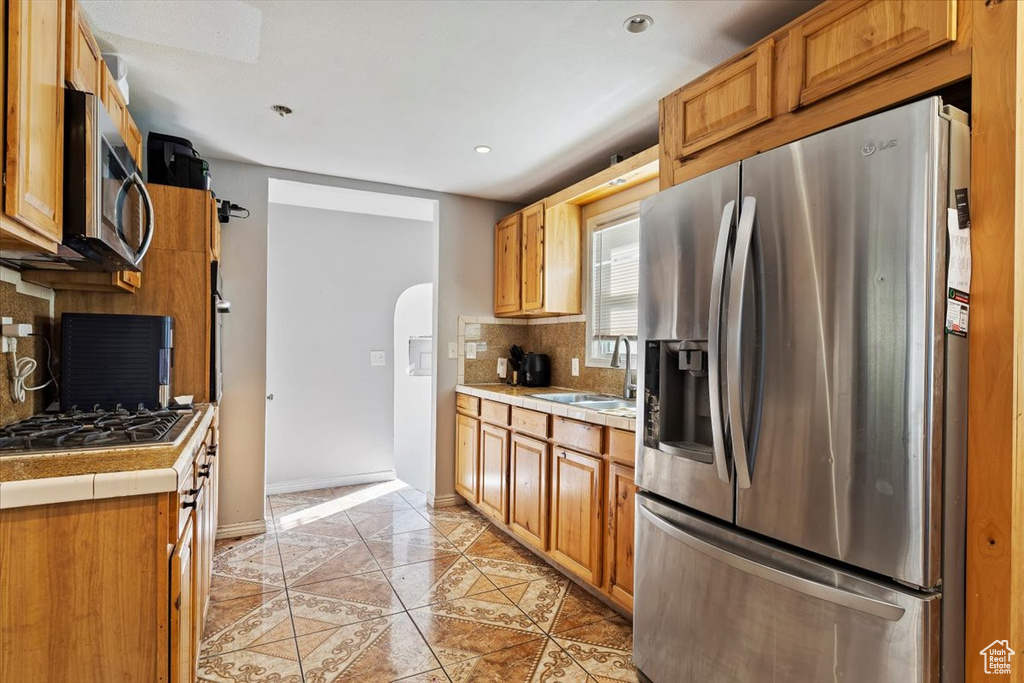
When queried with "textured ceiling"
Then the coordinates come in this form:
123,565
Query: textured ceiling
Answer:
401,92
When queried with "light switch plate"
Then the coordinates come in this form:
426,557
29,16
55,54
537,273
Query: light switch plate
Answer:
502,367
471,350
377,358
453,350
575,367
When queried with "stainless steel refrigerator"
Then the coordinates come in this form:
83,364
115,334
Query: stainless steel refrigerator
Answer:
802,427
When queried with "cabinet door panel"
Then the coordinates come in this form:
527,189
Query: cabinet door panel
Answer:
467,435
83,60
182,598
619,542
576,529
494,472
528,490
507,290
35,117
856,40
727,101
533,258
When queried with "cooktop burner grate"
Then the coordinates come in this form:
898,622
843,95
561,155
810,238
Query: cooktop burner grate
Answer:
92,429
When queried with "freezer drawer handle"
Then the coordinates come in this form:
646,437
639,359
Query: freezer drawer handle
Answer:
715,344
861,603
744,237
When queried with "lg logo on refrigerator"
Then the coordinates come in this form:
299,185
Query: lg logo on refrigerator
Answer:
870,148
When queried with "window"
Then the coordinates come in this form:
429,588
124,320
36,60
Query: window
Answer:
613,282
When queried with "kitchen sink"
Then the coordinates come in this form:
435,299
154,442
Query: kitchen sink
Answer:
591,401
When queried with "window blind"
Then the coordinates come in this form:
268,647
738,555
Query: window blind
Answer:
615,279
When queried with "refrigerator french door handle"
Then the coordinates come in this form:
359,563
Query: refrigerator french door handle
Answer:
714,343
815,589
734,349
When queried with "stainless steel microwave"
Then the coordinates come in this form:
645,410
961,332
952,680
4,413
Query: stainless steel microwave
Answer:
108,215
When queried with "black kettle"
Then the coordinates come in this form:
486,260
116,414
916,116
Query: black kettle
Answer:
535,370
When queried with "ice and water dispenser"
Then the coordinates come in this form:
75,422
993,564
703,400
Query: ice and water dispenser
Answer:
677,399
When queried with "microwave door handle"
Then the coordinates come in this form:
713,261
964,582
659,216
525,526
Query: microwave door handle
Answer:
714,343
148,203
734,334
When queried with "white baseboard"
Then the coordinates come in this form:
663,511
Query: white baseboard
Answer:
327,482
445,501
257,526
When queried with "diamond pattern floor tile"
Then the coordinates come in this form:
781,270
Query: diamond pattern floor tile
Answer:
368,583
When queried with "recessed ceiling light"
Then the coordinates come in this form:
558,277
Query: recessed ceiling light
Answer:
638,23
281,110
482,149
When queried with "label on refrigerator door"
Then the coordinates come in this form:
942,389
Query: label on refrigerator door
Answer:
958,273
958,308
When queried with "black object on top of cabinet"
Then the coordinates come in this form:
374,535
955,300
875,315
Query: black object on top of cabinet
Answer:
174,161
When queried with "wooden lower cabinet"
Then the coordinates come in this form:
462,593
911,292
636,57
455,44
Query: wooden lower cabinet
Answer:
112,589
494,472
576,513
528,489
564,488
184,652
618,545
467,439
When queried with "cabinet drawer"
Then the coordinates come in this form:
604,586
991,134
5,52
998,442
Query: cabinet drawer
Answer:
579,435
494,412
856,40
723,103
531,422
622,446
470,405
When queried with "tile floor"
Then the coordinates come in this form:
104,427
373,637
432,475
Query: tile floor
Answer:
367,583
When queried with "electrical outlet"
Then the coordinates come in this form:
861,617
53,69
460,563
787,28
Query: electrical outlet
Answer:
4,346
575,367
453,350
471,350
377,358
502,367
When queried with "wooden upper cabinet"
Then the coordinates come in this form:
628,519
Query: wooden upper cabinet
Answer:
467,439
618,546
533,257
855,40
528,490
576,506
112,98
133,140
83,61
507,282
726,101
34,194
494,472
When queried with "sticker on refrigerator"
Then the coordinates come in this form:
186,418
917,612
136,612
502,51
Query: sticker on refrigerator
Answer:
958,308
958,272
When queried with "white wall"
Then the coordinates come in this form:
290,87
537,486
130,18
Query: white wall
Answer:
334,280
413,318
463,283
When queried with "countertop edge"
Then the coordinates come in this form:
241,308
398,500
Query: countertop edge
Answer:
550,407
96,486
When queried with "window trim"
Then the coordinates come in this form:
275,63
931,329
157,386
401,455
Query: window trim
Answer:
619,214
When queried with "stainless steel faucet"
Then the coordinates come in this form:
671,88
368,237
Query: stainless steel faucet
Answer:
628,386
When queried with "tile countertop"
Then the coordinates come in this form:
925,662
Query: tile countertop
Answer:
60,477
523,397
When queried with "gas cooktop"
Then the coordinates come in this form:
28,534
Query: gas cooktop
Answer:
93,429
